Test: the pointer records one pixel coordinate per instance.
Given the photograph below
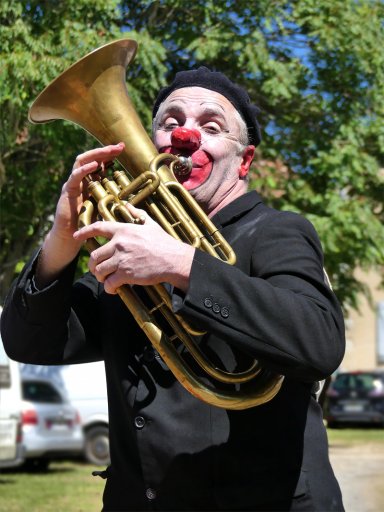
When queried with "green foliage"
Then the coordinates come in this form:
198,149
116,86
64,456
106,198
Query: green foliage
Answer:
39,40
314,67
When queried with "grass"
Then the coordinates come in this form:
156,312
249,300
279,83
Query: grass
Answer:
68,486
355,435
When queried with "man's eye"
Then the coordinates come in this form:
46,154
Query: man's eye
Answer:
170,126
211,128
169,123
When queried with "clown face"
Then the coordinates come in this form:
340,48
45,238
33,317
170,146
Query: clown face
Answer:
202,124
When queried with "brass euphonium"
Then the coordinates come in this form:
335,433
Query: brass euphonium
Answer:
92,93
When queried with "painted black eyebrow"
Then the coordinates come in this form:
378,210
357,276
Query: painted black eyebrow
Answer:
208,110
215,111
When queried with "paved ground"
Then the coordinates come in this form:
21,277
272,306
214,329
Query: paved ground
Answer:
360,471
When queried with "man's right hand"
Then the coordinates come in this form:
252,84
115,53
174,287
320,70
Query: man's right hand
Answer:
59,247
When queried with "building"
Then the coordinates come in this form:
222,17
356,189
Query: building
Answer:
365,328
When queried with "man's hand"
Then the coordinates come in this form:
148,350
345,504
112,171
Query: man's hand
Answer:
74,193
142,254
59,247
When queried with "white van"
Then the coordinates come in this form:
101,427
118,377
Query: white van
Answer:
86,389
11,448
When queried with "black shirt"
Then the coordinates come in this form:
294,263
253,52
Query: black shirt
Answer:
170,451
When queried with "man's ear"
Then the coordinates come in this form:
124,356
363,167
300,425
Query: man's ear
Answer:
248,154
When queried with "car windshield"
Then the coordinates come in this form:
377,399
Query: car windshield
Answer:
359,382
41,392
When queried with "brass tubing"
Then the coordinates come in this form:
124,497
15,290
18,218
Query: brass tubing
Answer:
229,399
185,199
197,354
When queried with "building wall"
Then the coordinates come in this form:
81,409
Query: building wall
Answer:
362,328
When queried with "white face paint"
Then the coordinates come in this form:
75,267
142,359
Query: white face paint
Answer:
219,159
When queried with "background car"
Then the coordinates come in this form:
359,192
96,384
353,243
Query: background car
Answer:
86,388
51,425
11,447
356,398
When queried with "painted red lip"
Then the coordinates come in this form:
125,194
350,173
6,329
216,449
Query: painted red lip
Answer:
199,158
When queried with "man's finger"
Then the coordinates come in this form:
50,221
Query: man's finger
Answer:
100,228
103,154
137,213
104,269
99,256
78,174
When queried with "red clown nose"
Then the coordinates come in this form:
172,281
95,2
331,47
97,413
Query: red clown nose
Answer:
185,138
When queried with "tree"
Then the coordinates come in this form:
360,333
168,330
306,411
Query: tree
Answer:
39,40
315,68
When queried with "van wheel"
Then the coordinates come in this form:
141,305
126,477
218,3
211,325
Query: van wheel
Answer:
97,445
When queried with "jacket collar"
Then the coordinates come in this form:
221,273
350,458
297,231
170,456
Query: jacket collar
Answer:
236,208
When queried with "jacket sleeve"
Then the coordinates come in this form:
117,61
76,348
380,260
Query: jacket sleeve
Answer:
282,311
41,327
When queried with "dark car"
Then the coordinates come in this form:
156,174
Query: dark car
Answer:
356,398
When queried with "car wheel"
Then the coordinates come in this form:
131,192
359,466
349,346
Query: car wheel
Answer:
97,445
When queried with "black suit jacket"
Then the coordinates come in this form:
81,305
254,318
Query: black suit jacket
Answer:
170,451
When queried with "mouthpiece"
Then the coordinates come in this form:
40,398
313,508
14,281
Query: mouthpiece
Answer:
183,166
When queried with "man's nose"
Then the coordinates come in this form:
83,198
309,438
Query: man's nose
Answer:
185,138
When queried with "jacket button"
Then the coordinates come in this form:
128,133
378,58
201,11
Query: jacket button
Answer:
224,312
216,308
207,303
150,494
139,422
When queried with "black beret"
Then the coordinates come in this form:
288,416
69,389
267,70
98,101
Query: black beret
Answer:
216,81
